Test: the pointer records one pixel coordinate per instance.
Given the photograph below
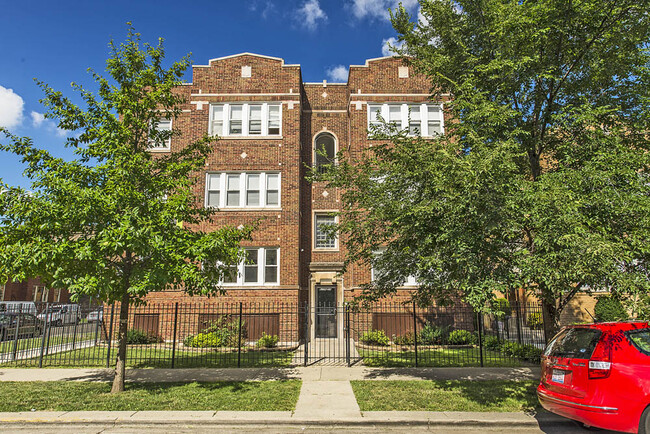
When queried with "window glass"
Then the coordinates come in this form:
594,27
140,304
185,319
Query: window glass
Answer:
235,120
574,343
250,267
323,239
232,190
272,190
271,266
395,115
415,124
375,114
217,120
230,275
255,119
325,151
274,120
162,125
641,339
253,190
434,120
214,193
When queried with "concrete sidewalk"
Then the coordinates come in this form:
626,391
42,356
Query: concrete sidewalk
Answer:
315,373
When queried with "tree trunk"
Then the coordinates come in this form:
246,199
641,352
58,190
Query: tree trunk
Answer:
549,315
120,366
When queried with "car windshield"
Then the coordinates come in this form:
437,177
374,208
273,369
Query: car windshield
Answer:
574,343
641,339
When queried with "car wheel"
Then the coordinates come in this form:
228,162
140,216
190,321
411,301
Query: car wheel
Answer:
644,423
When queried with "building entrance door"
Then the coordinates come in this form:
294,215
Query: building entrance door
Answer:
326,311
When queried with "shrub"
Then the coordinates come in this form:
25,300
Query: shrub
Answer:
223,332
461,337
140,337
532,353
491,343
644,308
375,337
406,339
267,341
431,334
534,320
610,309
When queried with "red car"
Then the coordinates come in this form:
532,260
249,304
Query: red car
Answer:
599,374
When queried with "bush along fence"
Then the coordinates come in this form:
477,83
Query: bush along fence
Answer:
181,335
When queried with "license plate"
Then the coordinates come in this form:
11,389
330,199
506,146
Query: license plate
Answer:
558,376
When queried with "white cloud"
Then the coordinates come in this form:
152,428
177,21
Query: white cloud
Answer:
11,108
379,8
265,7
310,13
338,74
386,45
38,120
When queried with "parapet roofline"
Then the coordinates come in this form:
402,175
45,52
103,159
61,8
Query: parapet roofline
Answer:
373,60
244,54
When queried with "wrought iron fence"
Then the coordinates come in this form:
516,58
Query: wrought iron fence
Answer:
217,334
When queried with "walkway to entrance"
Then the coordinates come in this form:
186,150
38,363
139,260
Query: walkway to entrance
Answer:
331,352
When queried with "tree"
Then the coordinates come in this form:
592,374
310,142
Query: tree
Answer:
118,221
541,181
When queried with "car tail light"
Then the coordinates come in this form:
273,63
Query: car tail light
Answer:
600,364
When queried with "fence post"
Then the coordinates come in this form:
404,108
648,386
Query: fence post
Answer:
20,311
347,334
110,337
306,334
241,309
44,331
519,319
479,320
174,337
100,319
74,333
415,334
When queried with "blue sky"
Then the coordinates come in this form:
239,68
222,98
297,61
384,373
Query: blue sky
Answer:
56,42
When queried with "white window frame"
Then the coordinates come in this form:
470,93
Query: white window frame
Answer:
245,119
404,121
314,227
167,144
221,179
261,269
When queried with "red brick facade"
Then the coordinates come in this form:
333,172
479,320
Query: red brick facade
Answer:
307,109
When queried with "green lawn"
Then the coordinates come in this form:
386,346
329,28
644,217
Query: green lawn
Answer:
71,396
152,357
29,343
465,395
440,357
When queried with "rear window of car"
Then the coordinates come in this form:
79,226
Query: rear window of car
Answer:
574,343
640,339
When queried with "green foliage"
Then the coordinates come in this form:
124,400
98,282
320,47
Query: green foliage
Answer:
492,343
525,352
643,308
502,308
118,221
223,332
461,337
432,334
140,337
407,338
609,308
534,320
267,341
541,180
375,337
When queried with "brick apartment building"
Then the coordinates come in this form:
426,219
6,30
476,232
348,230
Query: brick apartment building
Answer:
32,290
270,122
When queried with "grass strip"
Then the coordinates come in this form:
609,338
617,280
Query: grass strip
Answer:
441,357
279,395
456,395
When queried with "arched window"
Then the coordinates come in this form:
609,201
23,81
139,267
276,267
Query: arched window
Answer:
325,151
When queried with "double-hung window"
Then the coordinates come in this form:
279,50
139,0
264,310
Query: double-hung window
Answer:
243,190
162,126
323,237
245,119
261,267
420,119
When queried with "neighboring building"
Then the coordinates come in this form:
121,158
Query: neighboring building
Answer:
270,124
32,290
